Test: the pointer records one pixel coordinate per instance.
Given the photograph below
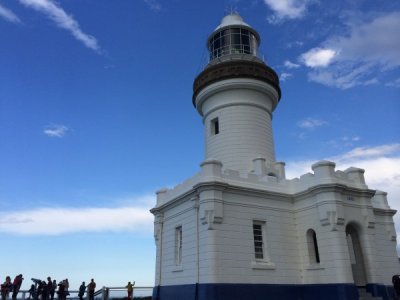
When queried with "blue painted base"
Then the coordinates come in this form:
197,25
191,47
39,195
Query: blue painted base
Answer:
259,292
380,290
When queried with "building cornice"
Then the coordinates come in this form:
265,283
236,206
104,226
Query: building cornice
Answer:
250,191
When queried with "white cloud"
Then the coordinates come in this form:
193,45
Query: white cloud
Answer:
285,76
58,221
318,57
370,152
394,83
353,138
371,81
381,165
294,44
342,75
153,4
311,123
63,20
286,9
55,131
365,51
8,15
288,64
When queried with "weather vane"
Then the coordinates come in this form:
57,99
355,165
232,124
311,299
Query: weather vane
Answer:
231,10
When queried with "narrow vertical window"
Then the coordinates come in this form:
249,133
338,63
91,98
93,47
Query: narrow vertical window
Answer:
214,126
312,245
178,245
258,235
316,247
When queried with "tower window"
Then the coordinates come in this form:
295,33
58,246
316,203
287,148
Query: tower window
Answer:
258,235
312,245
178,245
214,126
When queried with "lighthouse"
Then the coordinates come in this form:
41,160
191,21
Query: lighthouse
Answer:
239,229
236,95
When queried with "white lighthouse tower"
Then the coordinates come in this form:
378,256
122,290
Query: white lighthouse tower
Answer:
236,95
240,230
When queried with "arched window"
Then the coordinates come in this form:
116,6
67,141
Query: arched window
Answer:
312,245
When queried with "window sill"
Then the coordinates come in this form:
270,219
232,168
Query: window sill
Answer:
262,265
315,267
177,268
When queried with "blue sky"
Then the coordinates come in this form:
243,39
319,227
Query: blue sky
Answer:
96,115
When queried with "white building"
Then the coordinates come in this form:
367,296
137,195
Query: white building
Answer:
239,229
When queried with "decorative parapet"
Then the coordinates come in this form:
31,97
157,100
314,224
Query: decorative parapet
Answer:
161,195
356,175
324,169
263,168
380,200
211,168
270,177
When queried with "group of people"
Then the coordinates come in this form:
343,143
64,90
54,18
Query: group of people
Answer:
44,290
11,287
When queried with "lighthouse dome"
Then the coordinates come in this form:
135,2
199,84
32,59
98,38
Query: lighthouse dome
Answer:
230,20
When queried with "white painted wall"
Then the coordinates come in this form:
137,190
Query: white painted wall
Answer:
216,210
244,111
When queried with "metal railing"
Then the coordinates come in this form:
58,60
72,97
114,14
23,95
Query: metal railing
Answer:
105,293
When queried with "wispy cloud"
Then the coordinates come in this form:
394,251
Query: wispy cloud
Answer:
63,20
294,44
153,4
8,15
58,221
310,123
286,9
370,152
365,50
55,130
394,83
381,164
288,64
284,76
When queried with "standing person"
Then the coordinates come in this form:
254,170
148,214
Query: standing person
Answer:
17,285
61,290
39,291
91,288
130,289
82,289
53,289
49,287
31,292
66,284
6,288
396,286
45,292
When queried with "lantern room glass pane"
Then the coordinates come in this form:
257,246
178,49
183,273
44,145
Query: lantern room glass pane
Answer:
232,41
